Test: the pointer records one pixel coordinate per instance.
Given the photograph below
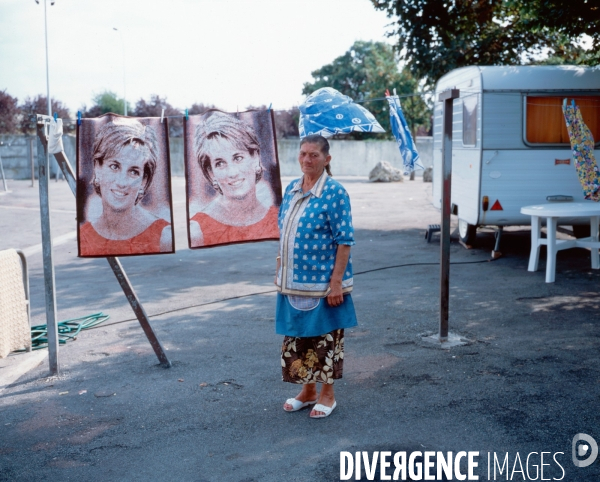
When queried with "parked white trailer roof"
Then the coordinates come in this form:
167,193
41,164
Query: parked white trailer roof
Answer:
527,77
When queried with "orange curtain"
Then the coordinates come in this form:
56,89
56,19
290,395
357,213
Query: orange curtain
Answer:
546,124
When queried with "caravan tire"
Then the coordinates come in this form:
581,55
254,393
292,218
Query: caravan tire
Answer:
467,232
581,231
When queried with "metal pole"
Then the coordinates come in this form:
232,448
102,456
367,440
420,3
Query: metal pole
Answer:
47,70
447,97
58,173
49,102
124,81
118,270
139,311
49,292
2,172
31,139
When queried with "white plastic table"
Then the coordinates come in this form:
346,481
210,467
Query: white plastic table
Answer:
553,212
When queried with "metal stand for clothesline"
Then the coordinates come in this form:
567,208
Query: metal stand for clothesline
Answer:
447,97
49,291
2,172
31,159
42,122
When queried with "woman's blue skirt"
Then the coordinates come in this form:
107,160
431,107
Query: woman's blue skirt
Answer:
317,321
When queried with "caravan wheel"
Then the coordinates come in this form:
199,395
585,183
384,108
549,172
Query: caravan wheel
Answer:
581,231
467,232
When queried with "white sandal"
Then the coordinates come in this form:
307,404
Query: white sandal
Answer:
297,404
323,408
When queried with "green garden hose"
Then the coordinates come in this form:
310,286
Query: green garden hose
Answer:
67,330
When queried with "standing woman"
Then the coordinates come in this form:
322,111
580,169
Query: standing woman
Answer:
314,277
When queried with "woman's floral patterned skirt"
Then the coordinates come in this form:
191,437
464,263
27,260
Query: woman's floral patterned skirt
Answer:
313,359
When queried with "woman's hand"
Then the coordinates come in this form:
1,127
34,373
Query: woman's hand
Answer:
336,296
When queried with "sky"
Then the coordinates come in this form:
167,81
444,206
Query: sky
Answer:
230,53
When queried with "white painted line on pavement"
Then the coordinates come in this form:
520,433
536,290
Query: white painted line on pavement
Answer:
68,211
55,242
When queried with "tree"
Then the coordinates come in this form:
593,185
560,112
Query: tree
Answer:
568,18
154,108
104,103
286,121
365,72
39,105
200,108
9,113
567,52
437,36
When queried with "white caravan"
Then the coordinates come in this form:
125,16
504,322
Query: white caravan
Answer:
510,146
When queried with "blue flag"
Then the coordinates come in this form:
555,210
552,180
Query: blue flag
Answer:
408,150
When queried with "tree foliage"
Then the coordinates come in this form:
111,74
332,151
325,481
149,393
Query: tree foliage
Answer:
104,103
286,121
566,52
200,108
437,36
39,105
568,18
9,113
364,72
154,108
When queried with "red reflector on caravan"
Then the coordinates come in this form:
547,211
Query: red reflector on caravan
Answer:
497,206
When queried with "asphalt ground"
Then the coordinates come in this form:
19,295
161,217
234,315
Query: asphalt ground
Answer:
526,380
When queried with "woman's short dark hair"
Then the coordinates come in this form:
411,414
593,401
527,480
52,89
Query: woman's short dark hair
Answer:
217,124
115,135
320,141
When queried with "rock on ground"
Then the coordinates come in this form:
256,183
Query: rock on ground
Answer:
385,172
428,175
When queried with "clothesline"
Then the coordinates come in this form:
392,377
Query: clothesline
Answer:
404,96
184,114
552,105
469,93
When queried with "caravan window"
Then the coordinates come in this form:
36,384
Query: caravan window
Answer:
470,120
545,123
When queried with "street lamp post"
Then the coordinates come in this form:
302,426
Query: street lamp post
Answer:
124,83
47,70
49,280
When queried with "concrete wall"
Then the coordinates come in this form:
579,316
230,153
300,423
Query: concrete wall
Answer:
176,151
354,158
350,158
16,151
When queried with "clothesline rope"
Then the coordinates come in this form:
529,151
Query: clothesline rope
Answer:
469,93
